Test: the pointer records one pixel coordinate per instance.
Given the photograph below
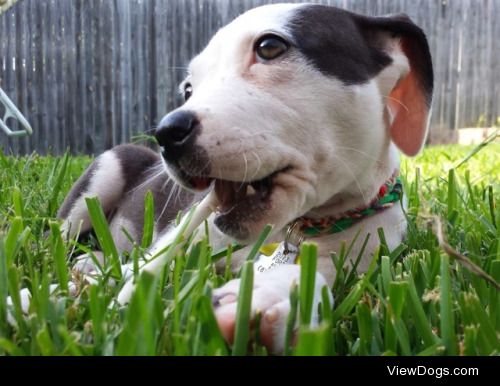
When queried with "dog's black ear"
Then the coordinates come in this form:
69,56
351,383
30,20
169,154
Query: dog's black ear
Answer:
409,101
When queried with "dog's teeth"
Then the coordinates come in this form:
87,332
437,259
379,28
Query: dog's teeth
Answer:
250,190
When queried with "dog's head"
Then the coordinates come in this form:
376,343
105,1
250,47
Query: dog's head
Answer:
289,105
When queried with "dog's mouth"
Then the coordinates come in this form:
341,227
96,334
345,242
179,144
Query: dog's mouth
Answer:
239,202
232,194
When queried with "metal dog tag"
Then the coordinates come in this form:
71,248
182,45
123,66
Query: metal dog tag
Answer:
281,255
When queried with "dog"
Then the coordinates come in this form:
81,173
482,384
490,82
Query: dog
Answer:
294,116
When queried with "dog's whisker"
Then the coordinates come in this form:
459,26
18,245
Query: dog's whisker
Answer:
205,168
246,171
397,101
368,156
226,211
178,195
165,206
165,184
151,130
148,181
259,165
353,176
161,213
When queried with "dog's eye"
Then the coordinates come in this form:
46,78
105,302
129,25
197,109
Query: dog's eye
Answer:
188,91
270,47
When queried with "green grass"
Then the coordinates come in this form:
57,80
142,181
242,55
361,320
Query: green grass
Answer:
430,296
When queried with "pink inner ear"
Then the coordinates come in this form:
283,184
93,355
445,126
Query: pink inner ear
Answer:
408,105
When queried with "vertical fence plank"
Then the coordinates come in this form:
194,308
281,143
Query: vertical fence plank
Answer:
106,71
152,107
11,71
125,68
70,43
59,54
21,67
39,45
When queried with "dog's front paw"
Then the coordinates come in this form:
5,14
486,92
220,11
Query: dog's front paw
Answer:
270,298
85,264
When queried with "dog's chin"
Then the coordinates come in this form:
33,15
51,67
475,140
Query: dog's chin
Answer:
244,207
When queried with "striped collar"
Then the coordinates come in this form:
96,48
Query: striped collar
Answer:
389,194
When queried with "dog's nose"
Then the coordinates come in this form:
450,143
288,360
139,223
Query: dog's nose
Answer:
176,133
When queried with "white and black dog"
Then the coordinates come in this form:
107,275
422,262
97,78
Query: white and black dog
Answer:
293,114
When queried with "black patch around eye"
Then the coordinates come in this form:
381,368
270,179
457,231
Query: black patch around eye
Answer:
331,40
270,47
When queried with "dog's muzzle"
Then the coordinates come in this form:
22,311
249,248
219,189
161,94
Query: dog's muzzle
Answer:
241,203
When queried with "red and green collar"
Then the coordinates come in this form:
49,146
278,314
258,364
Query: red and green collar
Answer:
287,252
389,194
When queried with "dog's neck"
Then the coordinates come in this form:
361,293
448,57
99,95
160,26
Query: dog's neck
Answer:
364,189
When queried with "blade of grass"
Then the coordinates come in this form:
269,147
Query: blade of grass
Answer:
477,149
350,301
494,295
97,307
491,202
57,186
308,263
59,254
397,296
15,296
386,273
216,256
149,221
470,341
210,333
360,256
317,342
403,337
12,244
101,229
143,319
475,314
390,338
228,273
17,202
422,324
3,289
258,244
9,347
384,248
364,320
242,334
292,318
447,320
452,210
326,305
45,343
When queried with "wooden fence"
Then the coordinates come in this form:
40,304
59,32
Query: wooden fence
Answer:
89,74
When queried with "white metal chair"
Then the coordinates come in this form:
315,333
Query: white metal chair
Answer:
11,111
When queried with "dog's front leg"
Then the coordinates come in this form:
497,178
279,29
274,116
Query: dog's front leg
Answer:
271,298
